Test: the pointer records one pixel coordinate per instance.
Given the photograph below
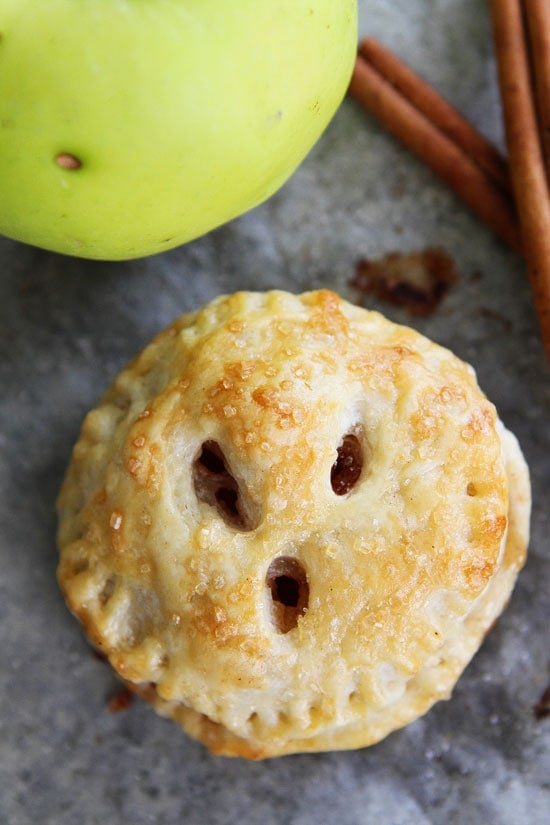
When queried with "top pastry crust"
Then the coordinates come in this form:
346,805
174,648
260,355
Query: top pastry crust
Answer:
290,523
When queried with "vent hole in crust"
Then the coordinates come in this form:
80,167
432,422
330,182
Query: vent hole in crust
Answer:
215,485
347,468
289,589
107,591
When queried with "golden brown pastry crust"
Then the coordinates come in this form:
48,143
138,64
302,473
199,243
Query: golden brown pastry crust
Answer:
404,573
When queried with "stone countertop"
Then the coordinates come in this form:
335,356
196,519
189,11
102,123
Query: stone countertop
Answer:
66,328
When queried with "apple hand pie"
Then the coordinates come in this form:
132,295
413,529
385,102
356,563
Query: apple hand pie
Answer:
290,523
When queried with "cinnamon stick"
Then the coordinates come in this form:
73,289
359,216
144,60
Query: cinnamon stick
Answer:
438,110
538,21
448,160
525,151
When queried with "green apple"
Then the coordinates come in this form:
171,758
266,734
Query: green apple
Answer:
128,127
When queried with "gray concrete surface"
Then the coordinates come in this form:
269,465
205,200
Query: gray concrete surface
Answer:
67,326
